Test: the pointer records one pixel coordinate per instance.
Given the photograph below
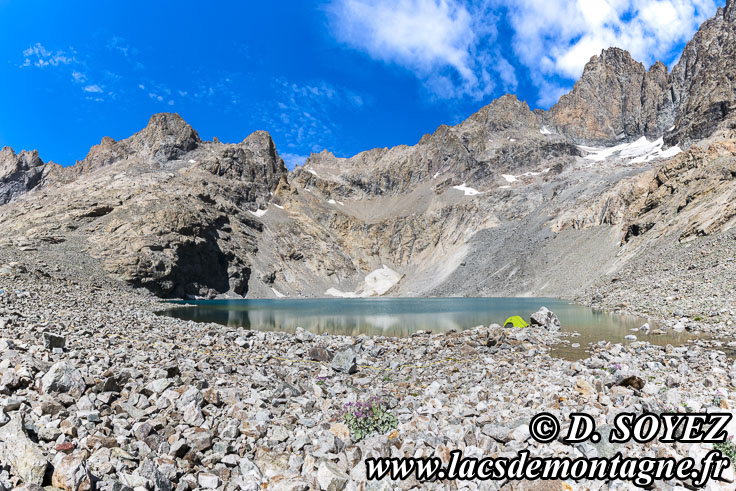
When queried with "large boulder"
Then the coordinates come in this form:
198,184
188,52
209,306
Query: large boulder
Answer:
545,318
72,473
345,361
25,458
63,378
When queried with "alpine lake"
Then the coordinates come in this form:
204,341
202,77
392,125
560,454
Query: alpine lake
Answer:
400,317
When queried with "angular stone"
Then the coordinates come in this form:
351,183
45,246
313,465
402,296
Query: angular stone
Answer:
345,361
63,378
331,477
51,340
72,473
208,481
545,318
24,457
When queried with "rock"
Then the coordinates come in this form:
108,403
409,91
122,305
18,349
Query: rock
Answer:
546,319
341,431
208,481
331,477
634,382
345,361
24,457
319,353
71,473
630,337
63,378
51,341
288,483
249,470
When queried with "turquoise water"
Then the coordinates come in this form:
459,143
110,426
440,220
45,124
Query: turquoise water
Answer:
401,317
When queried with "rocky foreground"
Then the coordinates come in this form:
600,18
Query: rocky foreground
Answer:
99,391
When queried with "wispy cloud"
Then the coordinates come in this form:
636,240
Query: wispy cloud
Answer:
94,89
448,44
119,44
557,39
38,56
302,115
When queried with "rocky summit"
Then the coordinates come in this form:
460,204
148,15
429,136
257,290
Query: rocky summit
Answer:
510,201
621,196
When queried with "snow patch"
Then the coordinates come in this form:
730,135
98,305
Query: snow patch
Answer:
436,175
375,284
642,150
671,129
545,131
333,202
313,172
278,206
192,161
509,177
277,293
504,187
334,292
467,190
258,213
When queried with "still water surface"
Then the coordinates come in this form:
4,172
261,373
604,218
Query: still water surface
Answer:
403,316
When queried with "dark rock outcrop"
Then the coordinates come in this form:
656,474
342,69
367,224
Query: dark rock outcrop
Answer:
19,173
616,98
703,82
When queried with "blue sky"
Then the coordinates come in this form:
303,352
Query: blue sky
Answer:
345,75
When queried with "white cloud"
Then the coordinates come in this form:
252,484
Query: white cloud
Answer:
93,89
37,55
79,77
557,39
447,44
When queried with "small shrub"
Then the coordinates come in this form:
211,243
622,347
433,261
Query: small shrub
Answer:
728,449
364,418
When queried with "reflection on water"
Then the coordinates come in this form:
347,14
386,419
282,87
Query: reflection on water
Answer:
401,317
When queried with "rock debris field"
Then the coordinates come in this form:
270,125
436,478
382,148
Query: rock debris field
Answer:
98,392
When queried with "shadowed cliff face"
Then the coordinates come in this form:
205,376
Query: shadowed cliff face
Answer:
161,210
510,201
18,173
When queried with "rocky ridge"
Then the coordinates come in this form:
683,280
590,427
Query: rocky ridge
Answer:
494,205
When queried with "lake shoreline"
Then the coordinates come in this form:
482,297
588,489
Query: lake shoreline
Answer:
197,404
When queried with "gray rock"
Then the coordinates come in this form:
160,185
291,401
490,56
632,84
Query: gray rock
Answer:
208,481
546,319
331,477
63,378
24,457
345,361
52,341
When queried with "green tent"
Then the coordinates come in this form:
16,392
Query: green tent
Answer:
515,321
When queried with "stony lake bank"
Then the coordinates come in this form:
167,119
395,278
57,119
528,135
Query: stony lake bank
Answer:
137,401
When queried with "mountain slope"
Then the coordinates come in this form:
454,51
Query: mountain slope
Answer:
509,202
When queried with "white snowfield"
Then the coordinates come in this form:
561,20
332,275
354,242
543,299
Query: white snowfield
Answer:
277,293
258,213
545,131
278,206
313,172
375,284
512,178
642,150
333,202
467,190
